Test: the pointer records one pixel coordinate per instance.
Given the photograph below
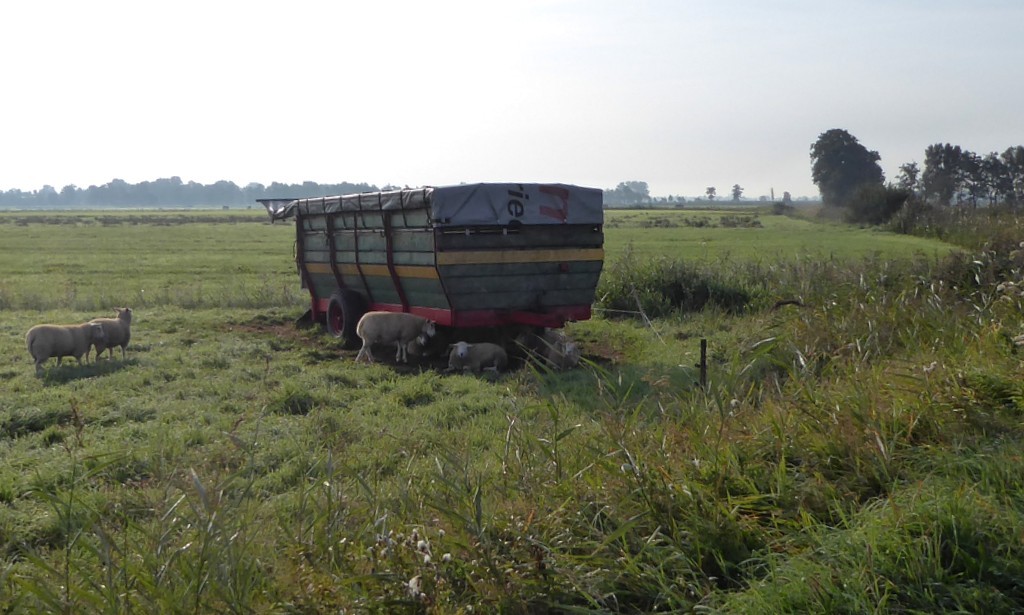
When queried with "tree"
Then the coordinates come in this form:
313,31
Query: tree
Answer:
710,192
69,195
972,179
840,166
940,179
909,174
47,196
628,193
996,178
1013,158
737,192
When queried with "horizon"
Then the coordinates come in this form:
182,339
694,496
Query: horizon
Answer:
719,196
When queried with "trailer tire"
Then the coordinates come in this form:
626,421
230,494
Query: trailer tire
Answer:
344,310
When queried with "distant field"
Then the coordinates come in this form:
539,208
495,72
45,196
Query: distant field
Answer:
189,259
220,259
751,234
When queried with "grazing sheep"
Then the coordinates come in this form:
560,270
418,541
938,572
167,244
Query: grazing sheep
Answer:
45,341
117,332
553,348
477,357
396,328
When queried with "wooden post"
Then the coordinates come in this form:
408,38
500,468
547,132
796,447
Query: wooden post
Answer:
703,365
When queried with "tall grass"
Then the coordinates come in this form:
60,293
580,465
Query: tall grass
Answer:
854,450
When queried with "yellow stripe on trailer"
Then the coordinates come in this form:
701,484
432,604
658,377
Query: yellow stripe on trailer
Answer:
492,257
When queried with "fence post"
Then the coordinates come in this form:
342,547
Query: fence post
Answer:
703,365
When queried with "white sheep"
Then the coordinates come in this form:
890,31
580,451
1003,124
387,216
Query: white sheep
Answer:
45,341
397,328
117,332
477,357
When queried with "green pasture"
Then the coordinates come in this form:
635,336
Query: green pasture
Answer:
853,450
229,259
751,234
191,259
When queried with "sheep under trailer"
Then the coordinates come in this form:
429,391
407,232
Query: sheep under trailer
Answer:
474,256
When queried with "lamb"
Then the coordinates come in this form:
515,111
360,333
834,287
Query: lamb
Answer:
477,357
560,352
553,348
45,341
117,332
397,328
419,347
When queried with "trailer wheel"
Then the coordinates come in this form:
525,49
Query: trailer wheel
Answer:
344,310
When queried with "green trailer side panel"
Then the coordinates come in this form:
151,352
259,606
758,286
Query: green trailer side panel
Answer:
313,224
425,293
368,240
519,269
382,289
494,271
518,300
412,241
315,241
414,258
323,285
527,237
526,283
521,292
410,218
316,256
369,220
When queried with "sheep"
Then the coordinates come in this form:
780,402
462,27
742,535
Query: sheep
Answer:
117,332
560,352
419,347
477,357
45,341
397,328
552,347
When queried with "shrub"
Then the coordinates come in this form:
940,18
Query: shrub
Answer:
875,204
663,287
970,228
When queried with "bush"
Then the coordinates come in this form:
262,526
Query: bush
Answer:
663,287
875,204
969,228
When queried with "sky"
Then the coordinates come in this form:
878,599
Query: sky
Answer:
681,94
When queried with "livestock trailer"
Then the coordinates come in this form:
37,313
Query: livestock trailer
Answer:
472,256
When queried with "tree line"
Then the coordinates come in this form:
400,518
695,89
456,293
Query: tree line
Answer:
638,194
850,179
171,192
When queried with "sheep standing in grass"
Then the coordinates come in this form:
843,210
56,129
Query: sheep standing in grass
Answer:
396,328
45,341
117,332
477,357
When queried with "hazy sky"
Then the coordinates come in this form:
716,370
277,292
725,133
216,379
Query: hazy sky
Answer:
682,94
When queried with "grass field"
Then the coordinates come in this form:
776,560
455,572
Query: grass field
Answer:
753,234
235,259
856,453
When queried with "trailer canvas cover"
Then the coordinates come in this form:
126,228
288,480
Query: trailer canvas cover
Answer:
469,204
